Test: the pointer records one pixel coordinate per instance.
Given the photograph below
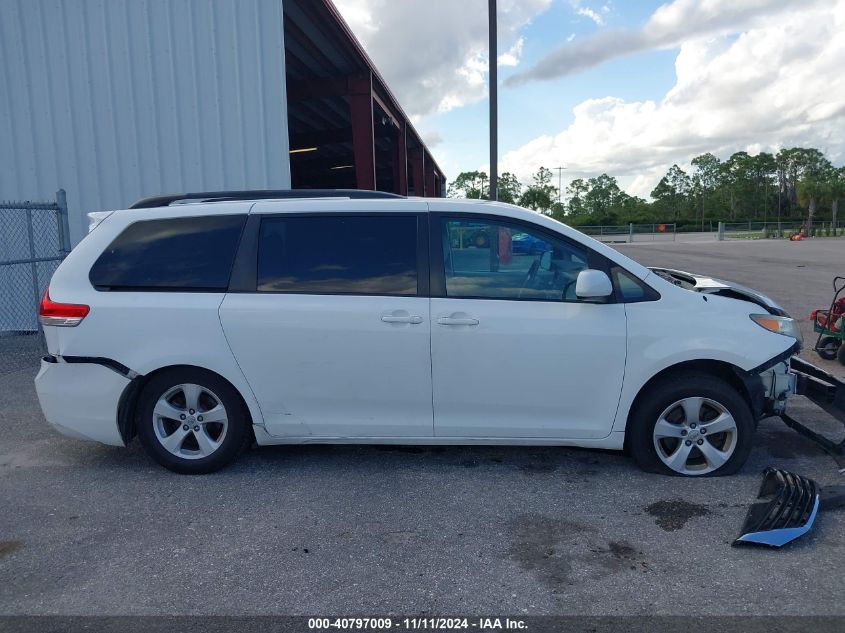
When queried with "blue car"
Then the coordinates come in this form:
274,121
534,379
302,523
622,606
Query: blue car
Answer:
525,244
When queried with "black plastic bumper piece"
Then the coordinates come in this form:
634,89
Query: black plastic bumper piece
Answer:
109,363
823,388
827,392
788,507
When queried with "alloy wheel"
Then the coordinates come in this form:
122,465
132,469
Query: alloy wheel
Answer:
190,421
695,436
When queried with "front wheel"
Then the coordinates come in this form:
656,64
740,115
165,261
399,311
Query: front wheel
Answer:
692,424
191,421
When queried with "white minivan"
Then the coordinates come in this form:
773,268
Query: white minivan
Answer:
205,322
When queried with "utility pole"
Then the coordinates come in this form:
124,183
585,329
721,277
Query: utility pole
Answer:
559,181
766,206
493,61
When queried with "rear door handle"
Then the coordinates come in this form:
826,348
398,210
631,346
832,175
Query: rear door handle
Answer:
457,321
411,318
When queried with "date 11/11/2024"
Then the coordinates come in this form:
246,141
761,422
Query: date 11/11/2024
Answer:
418,624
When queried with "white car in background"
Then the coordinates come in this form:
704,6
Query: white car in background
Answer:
206,322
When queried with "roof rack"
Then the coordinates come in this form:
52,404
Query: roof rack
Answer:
260,194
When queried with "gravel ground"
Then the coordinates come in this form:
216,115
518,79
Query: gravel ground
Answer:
88,529
17,351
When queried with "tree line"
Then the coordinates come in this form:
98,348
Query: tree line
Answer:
796,184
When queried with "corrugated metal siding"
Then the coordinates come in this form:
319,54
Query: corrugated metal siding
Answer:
115,100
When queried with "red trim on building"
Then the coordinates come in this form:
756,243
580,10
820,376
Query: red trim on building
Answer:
428,183
361,108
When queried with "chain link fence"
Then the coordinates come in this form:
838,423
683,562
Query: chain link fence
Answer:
774,230
631,232
34,238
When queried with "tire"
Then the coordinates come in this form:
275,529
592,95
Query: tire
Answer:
481,241
841,354
677,445
828,347
198,415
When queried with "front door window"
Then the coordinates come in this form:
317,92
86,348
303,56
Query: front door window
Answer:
496,260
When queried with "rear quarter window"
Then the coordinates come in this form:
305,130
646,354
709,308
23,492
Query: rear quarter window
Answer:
194,253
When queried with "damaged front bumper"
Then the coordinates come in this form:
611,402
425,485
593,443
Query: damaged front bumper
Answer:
787,509
770,384
779,383
788,503
774,383
828,393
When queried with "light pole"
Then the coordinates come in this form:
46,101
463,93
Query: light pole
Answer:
493,61
481,188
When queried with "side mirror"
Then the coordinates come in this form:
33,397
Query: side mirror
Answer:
593,284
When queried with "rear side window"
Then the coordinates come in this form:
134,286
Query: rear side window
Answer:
193,253
373,255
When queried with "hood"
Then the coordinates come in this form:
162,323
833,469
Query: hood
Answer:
713,286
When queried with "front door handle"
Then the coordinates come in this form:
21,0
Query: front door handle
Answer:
411,318
457,320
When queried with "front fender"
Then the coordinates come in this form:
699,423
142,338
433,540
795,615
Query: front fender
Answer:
680,329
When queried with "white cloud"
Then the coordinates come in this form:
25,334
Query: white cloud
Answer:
587,12
512,57
669,25
433,54
778,83
432,138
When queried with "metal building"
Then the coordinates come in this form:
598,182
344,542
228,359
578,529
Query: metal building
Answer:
116,100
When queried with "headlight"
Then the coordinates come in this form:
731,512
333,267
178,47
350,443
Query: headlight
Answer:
779,325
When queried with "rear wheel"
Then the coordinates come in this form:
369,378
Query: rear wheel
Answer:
191,421
692,424
828,347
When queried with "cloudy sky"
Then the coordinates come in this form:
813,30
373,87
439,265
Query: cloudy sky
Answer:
614,86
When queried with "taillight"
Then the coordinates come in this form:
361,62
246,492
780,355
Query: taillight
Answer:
61,314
